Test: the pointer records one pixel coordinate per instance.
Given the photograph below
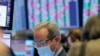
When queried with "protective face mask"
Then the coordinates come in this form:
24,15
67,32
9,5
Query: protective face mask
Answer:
45,51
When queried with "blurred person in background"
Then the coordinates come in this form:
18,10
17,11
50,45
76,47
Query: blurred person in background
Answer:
47,39
64,42
5,51
91,38
74,36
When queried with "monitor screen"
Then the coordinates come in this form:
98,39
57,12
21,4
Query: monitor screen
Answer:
63,12
5,13
90,8
23,47
29,48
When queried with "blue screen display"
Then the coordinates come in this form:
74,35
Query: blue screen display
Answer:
5,7
23,47
64,13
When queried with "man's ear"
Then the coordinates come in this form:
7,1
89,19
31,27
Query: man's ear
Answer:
57,39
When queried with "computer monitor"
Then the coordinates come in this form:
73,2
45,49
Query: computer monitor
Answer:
6,13
22,47
90,8
29,48
63,12
18,47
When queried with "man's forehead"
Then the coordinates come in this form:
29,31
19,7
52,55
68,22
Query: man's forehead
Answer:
41,34
42,31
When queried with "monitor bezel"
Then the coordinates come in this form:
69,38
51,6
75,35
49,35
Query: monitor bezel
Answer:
9,27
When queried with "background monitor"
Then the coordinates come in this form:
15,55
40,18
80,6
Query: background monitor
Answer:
63,12
6,13
29,48
90,8
23,47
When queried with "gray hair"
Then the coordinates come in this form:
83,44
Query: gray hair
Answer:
52,28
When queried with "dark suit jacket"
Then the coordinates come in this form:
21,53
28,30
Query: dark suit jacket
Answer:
35,52
62,53
11,52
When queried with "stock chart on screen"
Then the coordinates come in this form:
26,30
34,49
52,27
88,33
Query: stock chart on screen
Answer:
90,8
63,12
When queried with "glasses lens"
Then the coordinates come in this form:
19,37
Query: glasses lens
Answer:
39,44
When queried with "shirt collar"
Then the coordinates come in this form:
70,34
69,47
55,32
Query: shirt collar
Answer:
59,51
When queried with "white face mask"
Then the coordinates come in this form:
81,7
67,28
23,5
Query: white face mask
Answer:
45,51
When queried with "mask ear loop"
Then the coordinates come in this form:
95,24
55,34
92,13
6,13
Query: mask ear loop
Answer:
55,50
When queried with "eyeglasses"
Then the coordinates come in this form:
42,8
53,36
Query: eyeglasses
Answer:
40,43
